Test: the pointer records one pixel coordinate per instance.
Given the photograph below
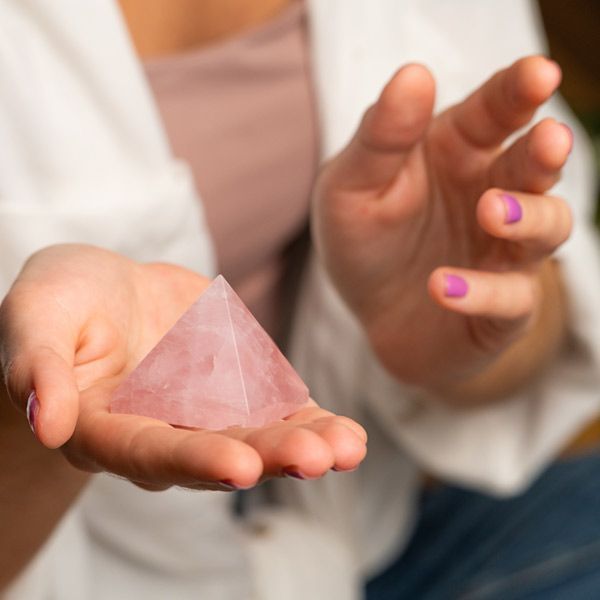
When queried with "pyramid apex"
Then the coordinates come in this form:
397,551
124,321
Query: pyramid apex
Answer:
221,286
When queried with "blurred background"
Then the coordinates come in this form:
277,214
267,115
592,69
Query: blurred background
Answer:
573,29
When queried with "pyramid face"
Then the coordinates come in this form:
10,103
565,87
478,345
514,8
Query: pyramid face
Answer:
216,368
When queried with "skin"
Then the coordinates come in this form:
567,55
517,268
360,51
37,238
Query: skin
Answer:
79,318
76,321
56,336
160,27
421,198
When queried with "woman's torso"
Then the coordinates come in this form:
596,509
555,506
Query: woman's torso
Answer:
239,111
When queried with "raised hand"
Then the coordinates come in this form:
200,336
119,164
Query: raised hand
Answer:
77,320
434,233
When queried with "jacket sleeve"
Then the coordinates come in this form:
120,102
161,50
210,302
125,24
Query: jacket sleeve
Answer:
83,157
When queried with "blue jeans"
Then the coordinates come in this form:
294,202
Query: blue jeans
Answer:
543,544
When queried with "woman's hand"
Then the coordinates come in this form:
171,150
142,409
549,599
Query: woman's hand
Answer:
435,235
77,320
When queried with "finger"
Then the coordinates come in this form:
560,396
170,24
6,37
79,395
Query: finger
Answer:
506,102
37,359
148,451
389,129
315,413
288,448
223,486
509,297
533,162
200,486
150,487
535,224
348,448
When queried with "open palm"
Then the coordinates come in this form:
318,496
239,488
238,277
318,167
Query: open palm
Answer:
78,319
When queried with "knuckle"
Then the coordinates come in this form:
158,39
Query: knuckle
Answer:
565,221
551,223
489,297
298,437
348,423
300,441
486,334
530,296
542,221
332,430
13,373
137,455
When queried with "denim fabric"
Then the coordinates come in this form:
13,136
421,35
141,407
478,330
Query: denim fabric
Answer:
543,544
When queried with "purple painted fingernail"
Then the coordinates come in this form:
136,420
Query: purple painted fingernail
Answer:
294,473
456,287
571,136
513,210
32,409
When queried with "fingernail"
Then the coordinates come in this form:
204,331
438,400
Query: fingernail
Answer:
571,136
32,409
337,470
292,472
513,211
230,485
456,287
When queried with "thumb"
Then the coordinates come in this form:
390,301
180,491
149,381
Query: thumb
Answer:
388,131
39,376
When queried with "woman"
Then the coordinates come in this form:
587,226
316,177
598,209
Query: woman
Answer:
132,151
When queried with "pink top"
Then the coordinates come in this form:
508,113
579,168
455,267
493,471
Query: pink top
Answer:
240,113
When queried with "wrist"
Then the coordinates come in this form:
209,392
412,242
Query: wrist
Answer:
38,485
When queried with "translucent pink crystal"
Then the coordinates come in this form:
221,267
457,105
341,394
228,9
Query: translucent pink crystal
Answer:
217,367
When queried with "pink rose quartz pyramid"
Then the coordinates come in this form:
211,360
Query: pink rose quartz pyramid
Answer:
217,367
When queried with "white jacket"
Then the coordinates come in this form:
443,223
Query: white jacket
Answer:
83,158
